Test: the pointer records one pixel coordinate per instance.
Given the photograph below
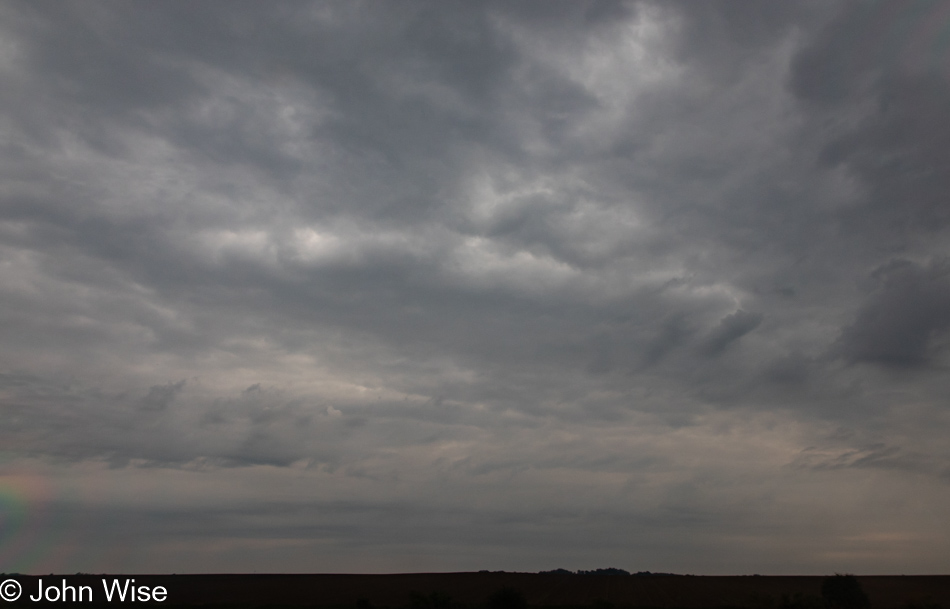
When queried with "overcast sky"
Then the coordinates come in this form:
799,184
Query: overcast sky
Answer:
444,286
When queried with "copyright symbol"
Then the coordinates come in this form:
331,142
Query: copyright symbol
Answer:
10,590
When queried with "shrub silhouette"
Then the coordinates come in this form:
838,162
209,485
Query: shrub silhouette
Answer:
507,598
844,592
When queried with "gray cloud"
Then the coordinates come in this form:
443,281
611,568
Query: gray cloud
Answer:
160,396
730,329
398,280
902,322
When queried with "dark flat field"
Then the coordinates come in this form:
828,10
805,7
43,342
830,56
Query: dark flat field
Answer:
438,590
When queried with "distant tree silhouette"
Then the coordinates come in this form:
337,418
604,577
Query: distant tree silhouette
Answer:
844,592
507,598
607,571
648,574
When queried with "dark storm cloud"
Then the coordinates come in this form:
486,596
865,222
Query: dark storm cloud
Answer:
903,320
730,329
476,266
874,75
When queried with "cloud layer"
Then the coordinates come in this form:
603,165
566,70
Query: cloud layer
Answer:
454,286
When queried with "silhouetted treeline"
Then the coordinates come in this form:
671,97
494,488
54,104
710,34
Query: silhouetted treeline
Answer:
608,571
